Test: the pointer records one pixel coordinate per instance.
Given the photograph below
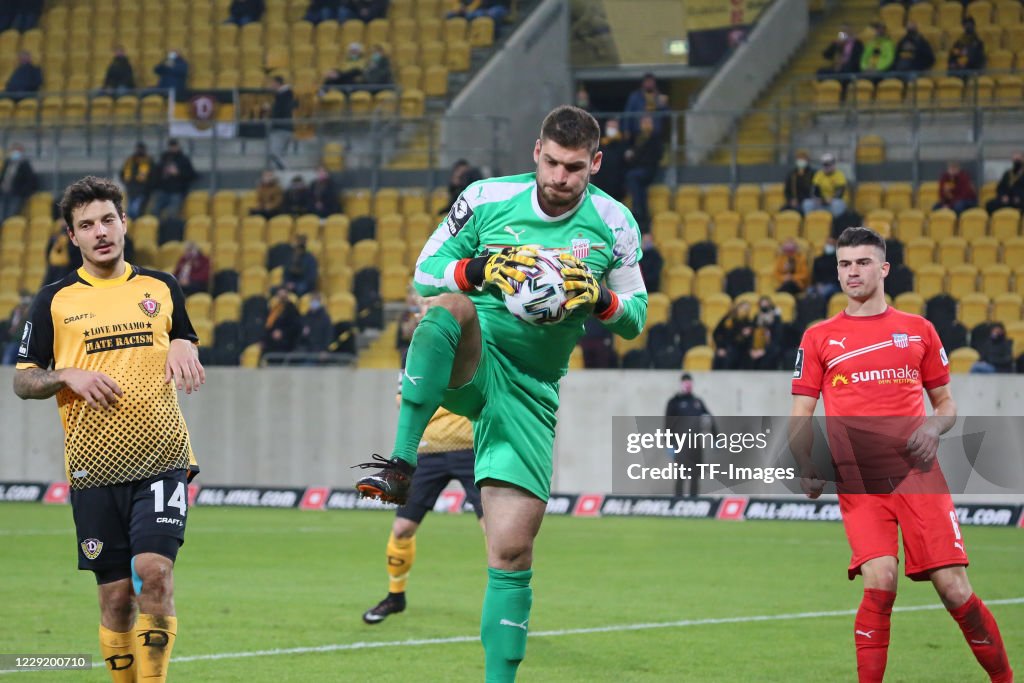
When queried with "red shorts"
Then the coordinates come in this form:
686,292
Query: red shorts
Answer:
931,532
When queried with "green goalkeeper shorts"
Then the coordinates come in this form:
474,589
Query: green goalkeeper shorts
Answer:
514,417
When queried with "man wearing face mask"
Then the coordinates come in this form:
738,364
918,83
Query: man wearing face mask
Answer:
996,352
612,178
1010,191
824,273
967,55
799,184
317,329
914,53
17,182
685,405
173,73
324,194
648,99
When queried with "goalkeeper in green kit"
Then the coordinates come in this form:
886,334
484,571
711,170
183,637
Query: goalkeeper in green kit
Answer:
472,356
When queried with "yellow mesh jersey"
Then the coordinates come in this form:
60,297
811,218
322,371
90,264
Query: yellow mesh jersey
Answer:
446,432
123,328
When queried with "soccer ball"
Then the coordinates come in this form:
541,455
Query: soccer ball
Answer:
540,299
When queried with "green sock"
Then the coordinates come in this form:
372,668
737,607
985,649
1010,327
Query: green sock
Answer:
504,622
428,369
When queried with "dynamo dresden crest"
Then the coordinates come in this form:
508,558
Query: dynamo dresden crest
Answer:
202,109
150,307
92,548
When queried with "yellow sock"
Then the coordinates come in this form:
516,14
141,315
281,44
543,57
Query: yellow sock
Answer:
401,554
117,652
154,640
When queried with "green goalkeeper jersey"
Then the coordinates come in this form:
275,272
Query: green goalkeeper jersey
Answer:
504,212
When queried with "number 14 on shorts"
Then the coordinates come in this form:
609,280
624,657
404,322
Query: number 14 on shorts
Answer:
178,499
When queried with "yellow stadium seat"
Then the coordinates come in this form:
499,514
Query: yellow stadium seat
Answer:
870,148
665,226
710,280
385,202
927,194
698,358
410,76
687,199
909,224
225,256
1008,12
726,226
836,304
999,60
659,198
341,306
817,226
717,198
337,256
757,225
385,103
909,302
696,227
394,283
869,197
677,281
658,308
952,251
254,281
941,224
360,103
762,254
251,356
930,280
279,230
1006,308
984,251
365,254
481,32
227,308
418,228
455,29
1005,223
827,95
747,198
713,308
980,11
973,223
949,92
204,331
253,254
169,255
973,309
961,360
949,16
197,203
390,227
899,196
787,224
732,254
412,201
1008,91
918,252
435,83
308,225
889,94
963,279
199,228
892,16
995,279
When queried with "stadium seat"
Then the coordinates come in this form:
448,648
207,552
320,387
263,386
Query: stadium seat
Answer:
929,280
169,255
817,226
659,198
757,225
941,224
973,309
732,254
253,254
717,198
952,251
1006,308
774,196
687,199
870,148
927,194
696,227
836,304
995,279
365,254
786,303
762,254
481,32
673,252
984,251
961,360
787,225
909,224
677,280
698,358
827,95
227,308
1008,91
457,56
1013,256
889,94
665,226
963,279
868,197
898,197
713,308
1005,223
658,307
726,226
747,198
909,302
973,223
709,280
949,92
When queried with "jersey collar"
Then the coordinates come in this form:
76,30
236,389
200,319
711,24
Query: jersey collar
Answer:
554,219
92,281
876,316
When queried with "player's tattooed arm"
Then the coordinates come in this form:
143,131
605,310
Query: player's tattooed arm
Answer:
97,389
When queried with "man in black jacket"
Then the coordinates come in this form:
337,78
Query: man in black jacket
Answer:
281,124
174,175
17,182
685,405
643,158
914,53
120,77
1010,191
26,77
799,184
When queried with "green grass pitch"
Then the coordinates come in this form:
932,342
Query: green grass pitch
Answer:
269,581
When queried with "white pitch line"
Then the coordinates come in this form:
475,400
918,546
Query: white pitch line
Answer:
683,623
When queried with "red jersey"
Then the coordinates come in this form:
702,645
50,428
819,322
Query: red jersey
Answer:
870,371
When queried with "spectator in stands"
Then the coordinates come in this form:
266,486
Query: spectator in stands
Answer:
244,12
766,341
137,176
645,99
732,338
956,191
120,77
173,73
26,77
62,257
351,70
879,54
791,272
282,125
366,10
582,99
174,176
472,9
269,196
829,188
651,263
996,352
914,53
825,271
612,177
684,404
302,271
317,328
643,159
378,68
193,270
323,194
844,55
18,181
297,200
462,174
14,324
967,54
326,10
1010,190
799,184
283,326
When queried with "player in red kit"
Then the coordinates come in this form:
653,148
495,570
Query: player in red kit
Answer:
870,364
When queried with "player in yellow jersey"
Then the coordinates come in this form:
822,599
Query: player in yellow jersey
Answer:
112,341
445,453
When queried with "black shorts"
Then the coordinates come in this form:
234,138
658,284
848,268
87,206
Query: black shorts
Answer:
115,523
433,472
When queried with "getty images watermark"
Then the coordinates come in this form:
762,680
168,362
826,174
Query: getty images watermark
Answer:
753,456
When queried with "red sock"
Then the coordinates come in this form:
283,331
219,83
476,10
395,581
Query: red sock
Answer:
871,634
982,634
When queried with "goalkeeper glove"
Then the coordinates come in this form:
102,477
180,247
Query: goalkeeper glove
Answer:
588,291
496,269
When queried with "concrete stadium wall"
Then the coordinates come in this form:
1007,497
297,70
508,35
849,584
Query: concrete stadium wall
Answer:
527,78
779,32
299,427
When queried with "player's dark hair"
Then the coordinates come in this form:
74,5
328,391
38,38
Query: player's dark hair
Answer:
858,237
572,128
87,190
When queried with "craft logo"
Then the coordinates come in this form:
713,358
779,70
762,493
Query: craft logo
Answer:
150,307
92,548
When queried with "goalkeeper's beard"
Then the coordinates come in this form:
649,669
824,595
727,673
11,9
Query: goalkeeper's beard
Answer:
557,199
